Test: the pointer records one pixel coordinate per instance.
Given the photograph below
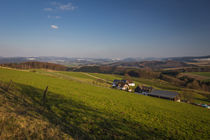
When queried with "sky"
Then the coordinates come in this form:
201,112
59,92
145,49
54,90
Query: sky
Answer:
104,28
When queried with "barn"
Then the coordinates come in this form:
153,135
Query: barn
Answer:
170,95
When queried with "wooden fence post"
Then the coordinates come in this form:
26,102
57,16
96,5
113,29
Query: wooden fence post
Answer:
44,99
10,83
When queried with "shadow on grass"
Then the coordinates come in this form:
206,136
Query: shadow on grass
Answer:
83,122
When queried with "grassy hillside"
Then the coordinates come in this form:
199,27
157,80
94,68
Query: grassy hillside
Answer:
206,74
197,96
23,118
160,84
84,108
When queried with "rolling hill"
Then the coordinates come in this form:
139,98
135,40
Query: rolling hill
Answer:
154,65
80,106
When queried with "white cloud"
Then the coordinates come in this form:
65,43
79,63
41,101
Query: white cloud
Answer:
68,6
54,27
48,9
63,7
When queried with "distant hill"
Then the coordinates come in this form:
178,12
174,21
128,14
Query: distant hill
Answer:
164,70
59,60
154,65
95,61
36,65
187,59
12,60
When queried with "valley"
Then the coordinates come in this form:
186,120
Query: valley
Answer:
80,106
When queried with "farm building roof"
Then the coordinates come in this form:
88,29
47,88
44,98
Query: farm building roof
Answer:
163,93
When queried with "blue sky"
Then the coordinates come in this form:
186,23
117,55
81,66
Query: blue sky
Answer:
105,28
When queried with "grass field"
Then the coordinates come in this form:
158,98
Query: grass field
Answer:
159,84
199,75
198,96
202,76
206,74
83,108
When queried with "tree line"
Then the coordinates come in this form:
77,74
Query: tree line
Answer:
36,65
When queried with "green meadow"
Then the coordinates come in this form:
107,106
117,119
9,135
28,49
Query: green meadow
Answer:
197,96
206,74
84,107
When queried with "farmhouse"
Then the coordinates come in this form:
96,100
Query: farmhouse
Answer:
123,84
129,82
142,89
170,95
115,83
